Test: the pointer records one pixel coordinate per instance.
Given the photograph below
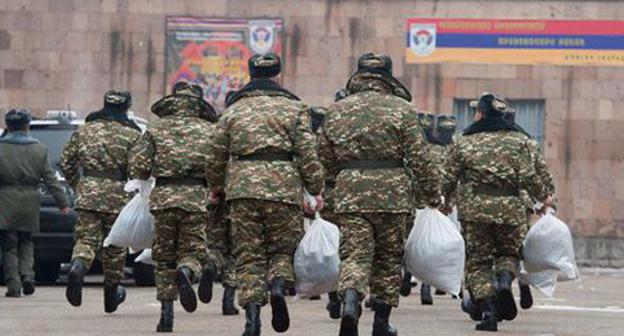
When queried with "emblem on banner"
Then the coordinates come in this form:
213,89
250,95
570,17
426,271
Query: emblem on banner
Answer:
423,39
261,36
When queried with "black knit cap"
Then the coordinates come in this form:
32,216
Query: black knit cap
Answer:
17,118
118,100
265,66
376,63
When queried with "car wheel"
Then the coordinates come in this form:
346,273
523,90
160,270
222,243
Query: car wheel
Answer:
144,275
47,273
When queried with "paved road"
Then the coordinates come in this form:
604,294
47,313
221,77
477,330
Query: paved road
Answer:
593,306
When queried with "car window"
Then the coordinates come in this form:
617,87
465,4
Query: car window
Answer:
55,137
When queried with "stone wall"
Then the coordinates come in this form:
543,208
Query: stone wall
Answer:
66,53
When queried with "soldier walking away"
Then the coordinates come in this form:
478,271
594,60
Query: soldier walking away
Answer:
372,196
23,165
174,150
494,160
265,136
99,149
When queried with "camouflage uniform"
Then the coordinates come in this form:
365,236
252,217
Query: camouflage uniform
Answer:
100,148
492,167
375,122
174,150
264,194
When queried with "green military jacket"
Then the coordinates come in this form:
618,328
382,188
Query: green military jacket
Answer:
175,146
501,159
373,124
102,146
265,121
23,164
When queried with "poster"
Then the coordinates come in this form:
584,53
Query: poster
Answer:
554,42
213,53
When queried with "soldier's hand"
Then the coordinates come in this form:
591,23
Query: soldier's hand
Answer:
65,211
320,203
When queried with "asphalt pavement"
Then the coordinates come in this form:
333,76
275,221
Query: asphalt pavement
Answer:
592,306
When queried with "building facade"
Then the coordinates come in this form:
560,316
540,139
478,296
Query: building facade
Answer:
64,54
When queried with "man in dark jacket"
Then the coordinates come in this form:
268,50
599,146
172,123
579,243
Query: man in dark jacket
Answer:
23,164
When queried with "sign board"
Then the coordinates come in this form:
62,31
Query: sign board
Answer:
214,52
555,42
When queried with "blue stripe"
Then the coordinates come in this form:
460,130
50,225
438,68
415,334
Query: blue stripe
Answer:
589,42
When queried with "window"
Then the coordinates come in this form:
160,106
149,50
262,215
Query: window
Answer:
529,115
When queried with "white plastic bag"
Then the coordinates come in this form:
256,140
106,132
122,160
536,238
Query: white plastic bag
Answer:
317,263
145,257
549,254
434,252
134,227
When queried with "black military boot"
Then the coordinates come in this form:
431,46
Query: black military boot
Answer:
28,285
489,321
406,284
188,299
227,306
166,316
13,293
75,279
469,307
425,295
252,316
205,282
333,306
281,320
351,312
526,298
505,302
114,295
381,326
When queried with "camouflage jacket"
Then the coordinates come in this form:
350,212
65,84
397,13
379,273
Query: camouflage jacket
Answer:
175,146
503,159
373,124
265,122
101,146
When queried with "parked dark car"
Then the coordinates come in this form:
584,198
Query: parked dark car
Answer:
54,242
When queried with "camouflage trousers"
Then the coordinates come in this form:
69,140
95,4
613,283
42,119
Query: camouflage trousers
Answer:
371,251
179,242
221,250
17,257
90,232
266,235
490,248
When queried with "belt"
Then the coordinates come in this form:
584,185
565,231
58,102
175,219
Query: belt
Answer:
110,175
370,164
490,190
283,156
184,181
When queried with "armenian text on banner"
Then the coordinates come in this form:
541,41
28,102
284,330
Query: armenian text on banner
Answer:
557,42
213,53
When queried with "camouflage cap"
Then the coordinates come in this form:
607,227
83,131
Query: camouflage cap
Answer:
118,99
188,89
426,120
340,95
185,91
17,118
265,66
447,123
376,62
491,103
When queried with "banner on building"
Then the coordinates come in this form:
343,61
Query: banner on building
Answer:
214,52
557,42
